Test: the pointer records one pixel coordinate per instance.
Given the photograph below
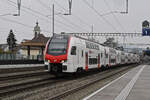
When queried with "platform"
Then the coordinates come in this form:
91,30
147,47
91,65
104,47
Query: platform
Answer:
134,85
20,66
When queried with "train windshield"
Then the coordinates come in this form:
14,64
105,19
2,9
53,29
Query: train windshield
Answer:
58,45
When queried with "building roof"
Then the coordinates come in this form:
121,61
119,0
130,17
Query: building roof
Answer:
38,41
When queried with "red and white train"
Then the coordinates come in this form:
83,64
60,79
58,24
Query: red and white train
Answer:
70,54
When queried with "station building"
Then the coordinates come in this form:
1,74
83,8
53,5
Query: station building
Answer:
35,46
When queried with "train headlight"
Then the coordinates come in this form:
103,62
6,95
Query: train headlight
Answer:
46,62
63,61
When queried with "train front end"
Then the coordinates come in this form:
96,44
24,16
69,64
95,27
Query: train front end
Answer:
56,54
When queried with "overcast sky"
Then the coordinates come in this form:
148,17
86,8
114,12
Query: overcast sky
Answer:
81,20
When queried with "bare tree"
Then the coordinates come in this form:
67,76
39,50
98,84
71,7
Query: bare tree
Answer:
110,42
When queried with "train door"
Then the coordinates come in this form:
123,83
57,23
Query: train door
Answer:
86,61
81,60
98,61
80,57
105,57
74,55
102,57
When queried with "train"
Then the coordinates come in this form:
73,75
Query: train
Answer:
72,54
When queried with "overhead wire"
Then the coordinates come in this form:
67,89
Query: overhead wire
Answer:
67,20
37,12
78,27
75,16
100,16
29,12
17,22
13,21
115,17
68,25
43,4
22,23
43,14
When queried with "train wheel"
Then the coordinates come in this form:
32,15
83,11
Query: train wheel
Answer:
102,68
80,70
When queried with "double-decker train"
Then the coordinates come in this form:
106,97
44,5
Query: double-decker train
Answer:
70,54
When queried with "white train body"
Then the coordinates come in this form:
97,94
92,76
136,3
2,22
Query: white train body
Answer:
75,54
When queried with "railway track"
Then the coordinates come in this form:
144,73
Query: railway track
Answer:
52,88
15,80
21,69
62,89
87,84
17,88
11,76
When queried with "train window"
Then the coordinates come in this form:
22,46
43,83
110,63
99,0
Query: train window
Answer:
82,53
58,45
106,55
93,61
73,50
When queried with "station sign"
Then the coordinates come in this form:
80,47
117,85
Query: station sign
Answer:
146,32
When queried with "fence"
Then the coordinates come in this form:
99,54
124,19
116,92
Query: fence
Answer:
6,59
20,57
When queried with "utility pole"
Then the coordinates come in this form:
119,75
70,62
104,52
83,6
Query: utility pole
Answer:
19,6
127,6
53,15
53,26
70,7
127,3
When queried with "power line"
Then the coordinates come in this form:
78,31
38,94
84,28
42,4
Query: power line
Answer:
17,22
41,14
115,17
71,22
101,16
37,12
29,12
13,21
43,4
63,17
75,16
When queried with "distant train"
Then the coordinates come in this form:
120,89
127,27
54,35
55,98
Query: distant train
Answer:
70,54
